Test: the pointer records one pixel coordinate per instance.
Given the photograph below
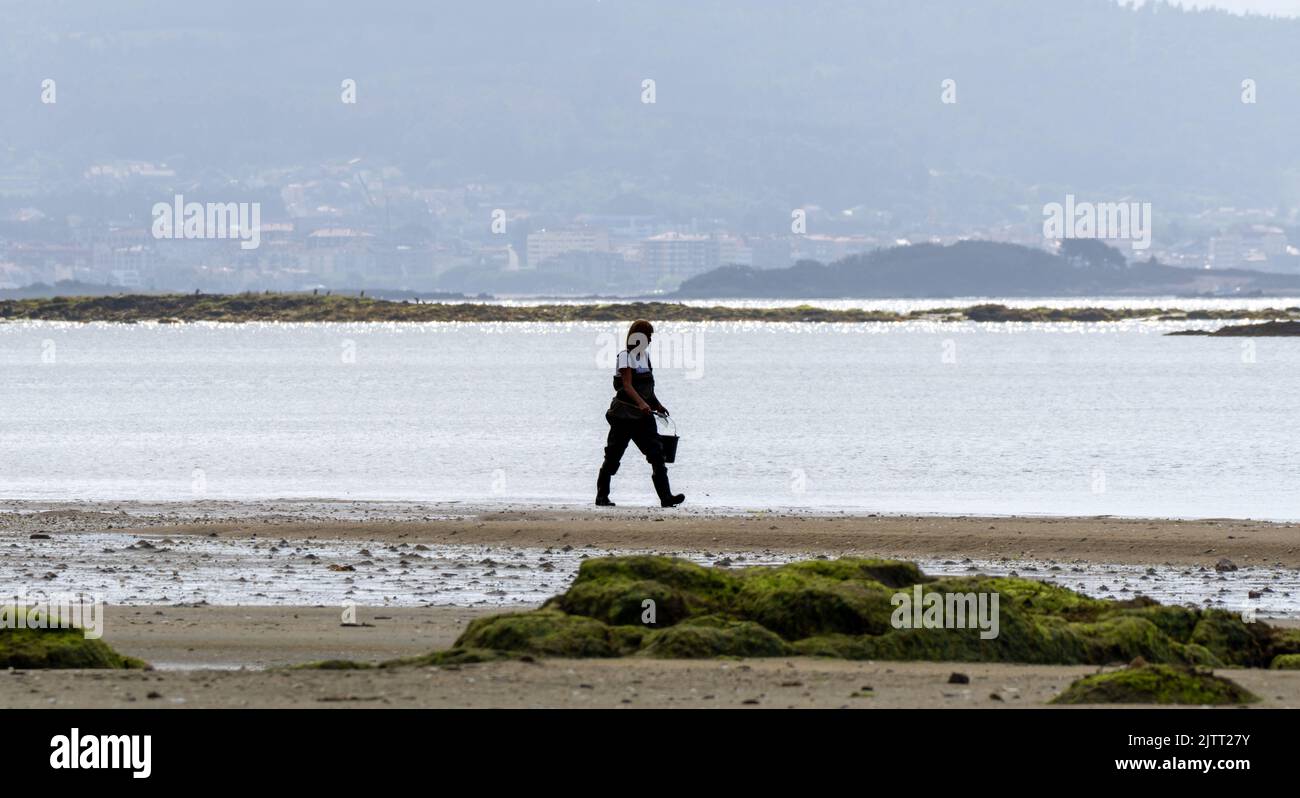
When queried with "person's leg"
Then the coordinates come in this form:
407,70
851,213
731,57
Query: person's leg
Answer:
646,437
615,445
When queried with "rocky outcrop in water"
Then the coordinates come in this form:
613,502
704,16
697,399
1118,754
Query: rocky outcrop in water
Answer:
1265,330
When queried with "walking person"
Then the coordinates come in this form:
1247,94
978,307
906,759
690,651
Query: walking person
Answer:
631,417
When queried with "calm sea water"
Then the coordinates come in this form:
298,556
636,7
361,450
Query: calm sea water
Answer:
1058,419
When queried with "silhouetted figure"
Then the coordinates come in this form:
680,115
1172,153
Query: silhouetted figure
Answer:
631,417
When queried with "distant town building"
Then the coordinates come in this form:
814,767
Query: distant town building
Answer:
829,249
126,170
339,255
669,258
126,278
623,228
1249,247
546,244
41,262
771,252
734,251
596,270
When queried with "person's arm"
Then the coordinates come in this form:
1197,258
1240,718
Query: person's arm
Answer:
630,391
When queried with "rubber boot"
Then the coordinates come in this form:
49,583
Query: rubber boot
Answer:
602,488
666,496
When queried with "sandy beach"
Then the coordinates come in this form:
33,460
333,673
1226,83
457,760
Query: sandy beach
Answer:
235,657
209,653
1104,538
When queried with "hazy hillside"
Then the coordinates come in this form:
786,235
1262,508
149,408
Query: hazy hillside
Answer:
760,106
976,268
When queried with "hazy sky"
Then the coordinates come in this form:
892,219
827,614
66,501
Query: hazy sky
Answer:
820,103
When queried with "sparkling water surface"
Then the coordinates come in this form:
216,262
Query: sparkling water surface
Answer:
1076,418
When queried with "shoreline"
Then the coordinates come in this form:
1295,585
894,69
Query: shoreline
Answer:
1099,538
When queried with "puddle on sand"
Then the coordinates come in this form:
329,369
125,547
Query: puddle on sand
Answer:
156,570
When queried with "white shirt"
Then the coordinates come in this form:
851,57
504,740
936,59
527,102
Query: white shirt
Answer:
638,361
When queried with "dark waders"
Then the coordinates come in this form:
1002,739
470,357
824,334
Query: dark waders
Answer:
628,424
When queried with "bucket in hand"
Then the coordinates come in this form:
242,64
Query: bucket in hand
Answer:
669,442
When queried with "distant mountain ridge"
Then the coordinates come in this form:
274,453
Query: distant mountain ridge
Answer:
976,268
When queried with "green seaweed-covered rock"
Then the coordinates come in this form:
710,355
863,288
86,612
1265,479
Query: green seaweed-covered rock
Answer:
449,657
1020,638
1284,641
1230,639
58,648
615,590
1125,638
799,602
1178,623
855,608
550,633
1155,684
712,636
672,571
1039,598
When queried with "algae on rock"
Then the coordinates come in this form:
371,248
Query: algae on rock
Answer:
58,648
1155,684
844,608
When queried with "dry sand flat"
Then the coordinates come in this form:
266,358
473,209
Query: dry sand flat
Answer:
236,657
625,683
267,637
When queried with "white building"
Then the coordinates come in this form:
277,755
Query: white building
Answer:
669,258
546,244
1248,247
734,251
829,249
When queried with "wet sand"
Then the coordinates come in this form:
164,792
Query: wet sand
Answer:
1093,539
209,655
257,637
